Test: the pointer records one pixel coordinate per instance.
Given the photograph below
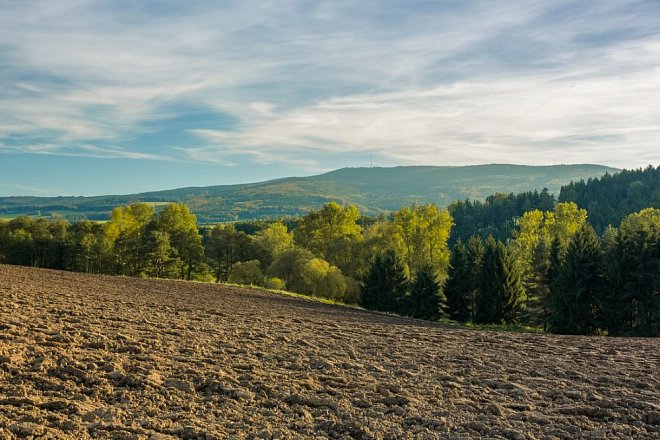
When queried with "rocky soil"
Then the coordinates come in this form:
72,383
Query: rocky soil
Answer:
86,356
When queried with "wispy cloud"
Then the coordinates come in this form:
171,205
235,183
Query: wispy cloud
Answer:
417,82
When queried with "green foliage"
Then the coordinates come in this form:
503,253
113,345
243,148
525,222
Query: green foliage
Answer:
612,197
425,300
420,235
632,302
531,250
497,215
572,282
501,296
457,286
575,291
248,273
319,229
181,225
323,280
274,283
386,284
226,246
273,240
290,267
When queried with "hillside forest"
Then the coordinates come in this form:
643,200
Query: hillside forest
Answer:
585,263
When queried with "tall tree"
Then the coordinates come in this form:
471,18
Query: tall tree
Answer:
639,251
319,229
385,285
457,286
125,229
225,246
501,295
272,241
425,300
421,237
181,225
575,296
475,255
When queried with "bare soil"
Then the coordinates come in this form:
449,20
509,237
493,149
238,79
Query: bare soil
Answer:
85,356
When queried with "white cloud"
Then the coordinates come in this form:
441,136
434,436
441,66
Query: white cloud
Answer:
482,81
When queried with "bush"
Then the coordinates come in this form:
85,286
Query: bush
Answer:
248,273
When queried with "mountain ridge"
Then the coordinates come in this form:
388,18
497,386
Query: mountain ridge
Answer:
373,190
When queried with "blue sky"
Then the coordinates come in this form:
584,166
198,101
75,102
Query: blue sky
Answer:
112,96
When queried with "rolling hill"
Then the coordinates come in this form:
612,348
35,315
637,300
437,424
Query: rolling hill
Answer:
373,190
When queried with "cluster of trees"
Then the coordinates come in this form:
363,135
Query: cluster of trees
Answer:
614,196
327,254
558,273
496,216
512,259
135,241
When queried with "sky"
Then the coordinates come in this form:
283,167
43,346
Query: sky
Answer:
124,96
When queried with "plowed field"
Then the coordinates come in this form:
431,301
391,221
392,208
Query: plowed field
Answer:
85,356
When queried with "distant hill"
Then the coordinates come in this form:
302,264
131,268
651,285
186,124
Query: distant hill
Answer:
373,190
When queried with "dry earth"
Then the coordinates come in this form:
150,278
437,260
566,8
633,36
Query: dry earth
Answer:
101,357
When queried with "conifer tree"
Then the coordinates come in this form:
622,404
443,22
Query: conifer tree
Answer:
615,315
386,284
576,289
425,300
501,295
457,287
640,271
475,255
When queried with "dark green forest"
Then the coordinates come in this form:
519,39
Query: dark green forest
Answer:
514,259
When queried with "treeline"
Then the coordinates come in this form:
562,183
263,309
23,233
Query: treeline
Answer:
496,216
327,254
557,273
513,259
610,198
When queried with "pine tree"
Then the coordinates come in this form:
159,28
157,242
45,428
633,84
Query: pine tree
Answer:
426,300
386,284
577,287
457,287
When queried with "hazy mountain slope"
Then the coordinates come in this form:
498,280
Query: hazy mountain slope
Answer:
374,190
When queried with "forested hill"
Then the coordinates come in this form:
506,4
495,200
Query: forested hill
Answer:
373,190
610,198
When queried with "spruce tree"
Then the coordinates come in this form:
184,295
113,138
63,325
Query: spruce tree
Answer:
475,255
425,300
501,295
616,315
385,285
577,287
537,285
556,256
488,301
640,270
457,287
